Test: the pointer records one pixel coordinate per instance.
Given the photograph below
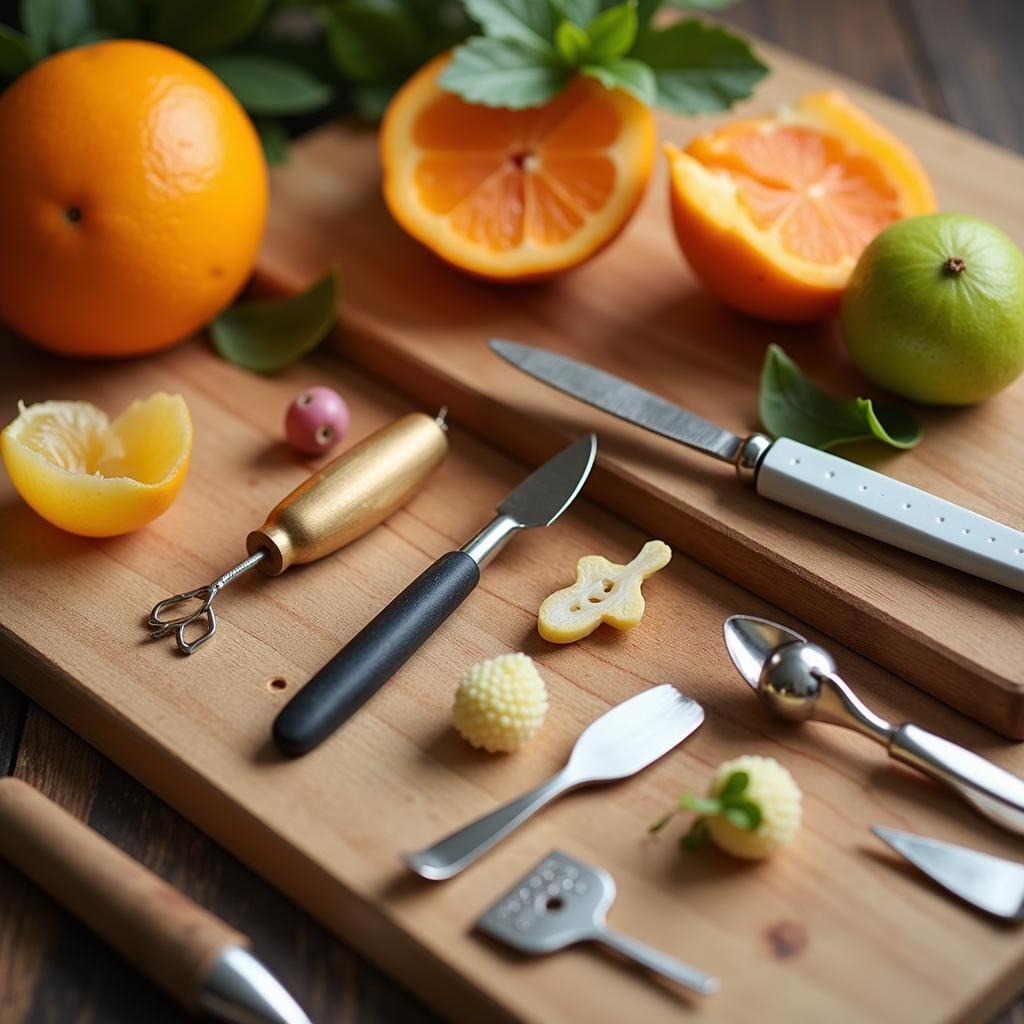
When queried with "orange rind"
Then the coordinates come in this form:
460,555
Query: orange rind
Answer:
772,213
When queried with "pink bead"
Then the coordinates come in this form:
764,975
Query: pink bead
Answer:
317,420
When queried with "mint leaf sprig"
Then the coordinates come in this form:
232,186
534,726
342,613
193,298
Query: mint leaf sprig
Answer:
731,803
529,50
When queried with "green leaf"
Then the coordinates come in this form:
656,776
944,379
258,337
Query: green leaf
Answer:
744,816
268,336
631,76
274,140
531,23
611,33
202,26
752,811
698,67
503,73
791,406
53,24
571,41
580,12
662,821
94,35
701,804
122,18
269,86
370,40
735,784
15,54
645,10
371,101
699,834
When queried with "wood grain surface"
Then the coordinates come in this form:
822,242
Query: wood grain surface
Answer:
52,970
638,312
329,828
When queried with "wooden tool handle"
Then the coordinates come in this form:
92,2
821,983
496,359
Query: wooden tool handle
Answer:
150,923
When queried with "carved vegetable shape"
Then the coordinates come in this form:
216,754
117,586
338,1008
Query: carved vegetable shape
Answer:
603,592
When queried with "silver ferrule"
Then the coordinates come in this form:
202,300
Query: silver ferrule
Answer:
239,988
752,451
491,539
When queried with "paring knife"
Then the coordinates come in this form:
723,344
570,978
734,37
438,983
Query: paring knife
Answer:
386,643
989,883
799,476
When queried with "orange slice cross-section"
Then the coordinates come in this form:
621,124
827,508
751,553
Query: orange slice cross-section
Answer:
772,213
514,194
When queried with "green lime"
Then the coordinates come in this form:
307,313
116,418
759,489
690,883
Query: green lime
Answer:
934,310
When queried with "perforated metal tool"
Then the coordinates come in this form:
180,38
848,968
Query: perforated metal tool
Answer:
563,901
337,504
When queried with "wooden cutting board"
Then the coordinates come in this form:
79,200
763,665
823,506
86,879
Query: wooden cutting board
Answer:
834,929
635,310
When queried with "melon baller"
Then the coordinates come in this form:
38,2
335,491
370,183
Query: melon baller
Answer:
340,502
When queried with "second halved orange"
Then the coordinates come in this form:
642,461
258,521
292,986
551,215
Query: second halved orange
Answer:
772,213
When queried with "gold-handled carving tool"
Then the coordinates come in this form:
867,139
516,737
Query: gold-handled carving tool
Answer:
197,958
337,504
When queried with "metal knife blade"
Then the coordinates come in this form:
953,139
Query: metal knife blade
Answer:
619,397
990,883
551,488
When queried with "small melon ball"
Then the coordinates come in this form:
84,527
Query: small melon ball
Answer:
777,795
500,703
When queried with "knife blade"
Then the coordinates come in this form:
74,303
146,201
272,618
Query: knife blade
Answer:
390,639
796,475
628,401
992,884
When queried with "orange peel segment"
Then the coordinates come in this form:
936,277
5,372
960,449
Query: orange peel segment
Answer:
97,478
514,195
772,213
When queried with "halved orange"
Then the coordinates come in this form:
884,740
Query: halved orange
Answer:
514,195
89,476
772,213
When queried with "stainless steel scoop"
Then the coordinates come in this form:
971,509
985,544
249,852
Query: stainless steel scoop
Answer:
798,681
562,901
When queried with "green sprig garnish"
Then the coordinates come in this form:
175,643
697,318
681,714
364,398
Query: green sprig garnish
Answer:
529,50
730,803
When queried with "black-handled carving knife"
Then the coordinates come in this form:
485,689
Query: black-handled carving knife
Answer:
386,643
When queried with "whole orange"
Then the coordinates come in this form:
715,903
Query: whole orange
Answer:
133,197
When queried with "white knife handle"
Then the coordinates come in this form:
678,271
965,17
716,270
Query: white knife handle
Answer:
878,506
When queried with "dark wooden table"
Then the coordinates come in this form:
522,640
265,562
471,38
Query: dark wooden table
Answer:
959,60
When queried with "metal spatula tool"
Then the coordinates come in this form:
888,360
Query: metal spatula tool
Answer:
563,901
623,741
992,884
